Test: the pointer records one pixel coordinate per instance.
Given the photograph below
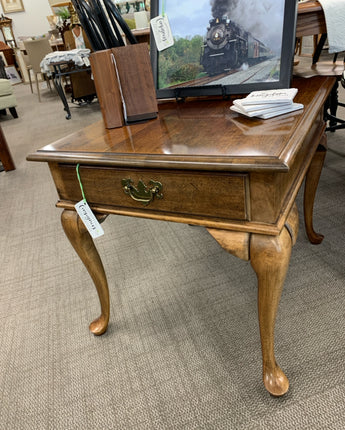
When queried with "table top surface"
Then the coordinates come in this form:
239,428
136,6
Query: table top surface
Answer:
197,134
309,6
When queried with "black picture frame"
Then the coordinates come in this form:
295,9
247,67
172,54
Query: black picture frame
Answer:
267,35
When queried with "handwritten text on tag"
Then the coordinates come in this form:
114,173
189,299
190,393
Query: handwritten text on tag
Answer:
162,32
89,219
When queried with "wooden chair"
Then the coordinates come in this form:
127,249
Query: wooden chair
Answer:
36,50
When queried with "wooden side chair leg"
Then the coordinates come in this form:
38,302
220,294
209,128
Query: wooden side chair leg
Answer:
30,80
38,87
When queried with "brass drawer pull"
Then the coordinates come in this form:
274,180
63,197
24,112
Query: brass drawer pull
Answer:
142,193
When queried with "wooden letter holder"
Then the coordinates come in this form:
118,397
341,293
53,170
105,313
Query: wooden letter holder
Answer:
124,84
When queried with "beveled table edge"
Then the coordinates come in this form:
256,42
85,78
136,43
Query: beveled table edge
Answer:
225,164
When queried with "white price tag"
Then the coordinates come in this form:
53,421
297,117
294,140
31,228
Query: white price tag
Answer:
162,32
90,221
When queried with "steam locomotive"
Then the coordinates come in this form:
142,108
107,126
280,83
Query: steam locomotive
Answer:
227,46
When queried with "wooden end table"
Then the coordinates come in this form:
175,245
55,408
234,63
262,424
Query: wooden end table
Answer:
200,163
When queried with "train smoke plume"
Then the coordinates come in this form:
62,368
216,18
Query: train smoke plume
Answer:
223,7
263,18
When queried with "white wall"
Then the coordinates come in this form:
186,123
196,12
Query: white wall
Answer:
33,21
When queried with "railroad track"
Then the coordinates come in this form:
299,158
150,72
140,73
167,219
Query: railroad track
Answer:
204,80
210,79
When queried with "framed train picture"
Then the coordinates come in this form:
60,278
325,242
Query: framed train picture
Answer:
222,47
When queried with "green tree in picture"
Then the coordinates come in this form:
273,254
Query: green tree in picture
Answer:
181,62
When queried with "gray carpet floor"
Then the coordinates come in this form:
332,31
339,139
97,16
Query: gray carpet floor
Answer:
182,350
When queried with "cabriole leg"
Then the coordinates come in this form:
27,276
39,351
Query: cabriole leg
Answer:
85,248
311,183
270,256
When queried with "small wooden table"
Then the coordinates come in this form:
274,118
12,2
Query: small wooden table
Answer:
310,19
199,163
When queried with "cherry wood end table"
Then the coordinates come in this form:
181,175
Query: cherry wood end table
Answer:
200,163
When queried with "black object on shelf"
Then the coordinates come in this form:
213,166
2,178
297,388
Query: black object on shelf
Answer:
100,20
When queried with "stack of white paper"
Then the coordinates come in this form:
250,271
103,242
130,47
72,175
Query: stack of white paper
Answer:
267,103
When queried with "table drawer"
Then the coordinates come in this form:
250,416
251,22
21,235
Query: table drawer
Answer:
216,195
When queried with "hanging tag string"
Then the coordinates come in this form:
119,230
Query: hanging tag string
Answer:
80,184
163,7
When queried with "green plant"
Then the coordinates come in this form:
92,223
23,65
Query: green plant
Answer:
63,13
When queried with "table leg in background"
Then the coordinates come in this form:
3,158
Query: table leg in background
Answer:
311,183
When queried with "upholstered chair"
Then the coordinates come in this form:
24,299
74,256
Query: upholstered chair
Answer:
7,98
